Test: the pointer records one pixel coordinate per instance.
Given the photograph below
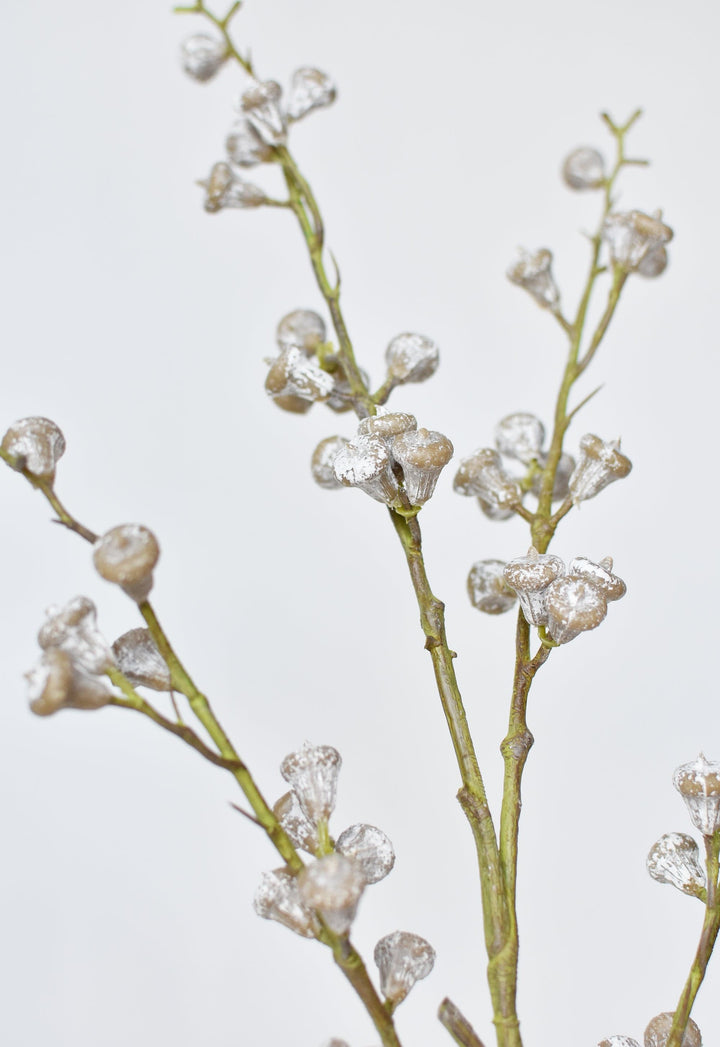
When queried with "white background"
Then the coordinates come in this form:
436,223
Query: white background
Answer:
140,324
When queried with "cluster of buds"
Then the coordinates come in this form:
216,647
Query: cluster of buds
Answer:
34,445
389,458
657,1034
566,602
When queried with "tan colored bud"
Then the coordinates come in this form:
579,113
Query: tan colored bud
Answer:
127,555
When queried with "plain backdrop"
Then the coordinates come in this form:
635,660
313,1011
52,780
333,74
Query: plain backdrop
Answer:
140,324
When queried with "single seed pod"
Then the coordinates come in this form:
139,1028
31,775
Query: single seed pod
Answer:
520,436
631,235
411,358
599,465
584,168
139,659
487,588
310,89
530,576
598,574
293,374
312,772
224,189
619,1041
422,455
574,606
402,959
127,555
301,329
296,824
202,56
74,629
370,848
244,145
366,463
323,459
654,263
699,785
332,886
675,859
532,273
260,102
561,486
38,444
278,898
59,683
387,426
658,1031
481,474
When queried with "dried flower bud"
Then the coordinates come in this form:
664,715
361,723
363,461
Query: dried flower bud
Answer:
530,576
699,785
310,89
574,606
675,859
293,404
600,575
38,445
59,683
313,772
481,474
244,145
370,848
332,885
532,272
654,263
323,460
493,512
520,436
487,588
278,898
561,486
402,960
422,455
584,168
366,463
387,426
301,329
139,659
202,56
658,1031
224,189
295,822
74,629
600,464
260,102
126,555
619,1041
411,358
631,235
293,374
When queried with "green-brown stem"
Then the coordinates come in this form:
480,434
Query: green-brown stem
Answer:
452,1018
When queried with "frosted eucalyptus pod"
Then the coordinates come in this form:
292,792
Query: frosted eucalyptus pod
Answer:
370,848
202,56
260,102
37,444
366,462
675,859
139,659
654,262
532,272
487,588
295,822
58,682
632,235
387,426
619,1041
323,461
411,358
584,168
493,512
422,455
278,898
293,374
309,89
699,785
402,959
127,555
598,574
74,629
244,145
530,576
573,606
520,436
599,465
332,886
313,773
561,486
223,189
481,474
301,329
658,1031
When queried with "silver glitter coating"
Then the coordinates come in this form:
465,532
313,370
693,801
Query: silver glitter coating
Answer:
658,1031
531,576
699,785
323,461
619,1041
411,358
293,374
310,89
278,898
422,455
598,574
574,606
303,329
126,555
675,859
487,588
223,189
260,102
370,848
520,436
532,272
202,56
244,145
139,659
333,885
366,463
74,629
295,822
584,168
402,959
387,426
599,465
631,235
312,772
481,474
37,443
59,683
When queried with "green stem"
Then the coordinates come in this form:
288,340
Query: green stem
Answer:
462,1032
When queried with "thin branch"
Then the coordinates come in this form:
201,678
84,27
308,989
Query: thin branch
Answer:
452,1018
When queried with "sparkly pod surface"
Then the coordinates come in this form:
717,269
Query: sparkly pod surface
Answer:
126,555
333,885
310,89
658,1031
293,374
631,235
481,474
295,822
366,463
699,785
599,465
619,1041
57,683
387,426
202,56
312,772
520,436
223,188
675,859
244,146
74,629
261,104
584,168
599,575
487,588
323,461
422,455
532,272
411,358
530,576
370,848
303,329
38,444
574,606
278,898
402,959
140,660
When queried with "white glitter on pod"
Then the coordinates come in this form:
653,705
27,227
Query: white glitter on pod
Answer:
658,1031
127,555
312,772
310,89
402,959
366,463
74,629
411,358
584,168
631,235
303,329
202,56
332,886
574,606
139,659
59,683
293,374
532,272
370,848
699,785
278,898
481,474
295,822
487,588
619,1041
675,859
599,465
223,189
37,443
531,576
520,436
323,461
422,455
260,102
244,145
